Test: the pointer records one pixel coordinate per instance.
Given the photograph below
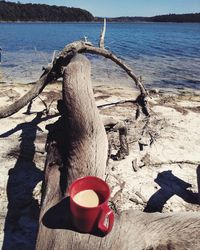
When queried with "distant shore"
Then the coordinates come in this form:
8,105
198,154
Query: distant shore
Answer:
108,21
10,11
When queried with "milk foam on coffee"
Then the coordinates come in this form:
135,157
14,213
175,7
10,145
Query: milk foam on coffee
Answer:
87,198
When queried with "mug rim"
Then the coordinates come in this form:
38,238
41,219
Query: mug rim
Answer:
88,177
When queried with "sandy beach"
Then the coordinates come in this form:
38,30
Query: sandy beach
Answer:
160,176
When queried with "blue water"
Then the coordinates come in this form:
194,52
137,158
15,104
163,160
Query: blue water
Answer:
167,55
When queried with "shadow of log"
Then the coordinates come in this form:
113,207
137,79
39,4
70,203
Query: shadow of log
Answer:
57,144
198,182
59,217
21,222
170,185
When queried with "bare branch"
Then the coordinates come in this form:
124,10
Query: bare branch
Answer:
102,35
24,100
53,72
107,54
106,105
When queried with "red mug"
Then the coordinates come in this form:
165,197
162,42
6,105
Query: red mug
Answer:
89,219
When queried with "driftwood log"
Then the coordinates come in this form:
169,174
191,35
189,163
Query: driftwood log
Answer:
77,146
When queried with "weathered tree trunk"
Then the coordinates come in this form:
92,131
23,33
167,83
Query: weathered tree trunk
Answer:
88,146
77,146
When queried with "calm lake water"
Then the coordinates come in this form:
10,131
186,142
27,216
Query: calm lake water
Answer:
167,55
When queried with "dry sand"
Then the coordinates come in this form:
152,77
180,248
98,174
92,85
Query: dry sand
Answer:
165,177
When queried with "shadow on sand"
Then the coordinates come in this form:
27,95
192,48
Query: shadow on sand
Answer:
21,222
170,185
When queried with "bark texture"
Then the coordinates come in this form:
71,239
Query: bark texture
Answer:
87,140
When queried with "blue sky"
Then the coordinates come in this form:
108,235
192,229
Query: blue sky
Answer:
113,8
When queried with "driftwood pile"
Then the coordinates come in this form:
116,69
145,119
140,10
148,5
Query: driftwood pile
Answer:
77,146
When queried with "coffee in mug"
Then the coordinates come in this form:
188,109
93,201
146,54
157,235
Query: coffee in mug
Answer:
87,198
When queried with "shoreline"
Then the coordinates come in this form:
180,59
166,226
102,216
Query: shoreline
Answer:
152,90
92,22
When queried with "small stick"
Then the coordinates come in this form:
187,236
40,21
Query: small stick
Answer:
53,57
134,165
115,103
174,162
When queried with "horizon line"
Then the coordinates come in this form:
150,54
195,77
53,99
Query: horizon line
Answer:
191,13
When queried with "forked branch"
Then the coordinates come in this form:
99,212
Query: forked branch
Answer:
54,71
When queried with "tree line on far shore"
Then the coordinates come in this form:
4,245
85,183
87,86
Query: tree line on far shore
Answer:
178,18
10,11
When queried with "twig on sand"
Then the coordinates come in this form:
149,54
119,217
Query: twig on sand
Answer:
106,105
175,162
157,164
